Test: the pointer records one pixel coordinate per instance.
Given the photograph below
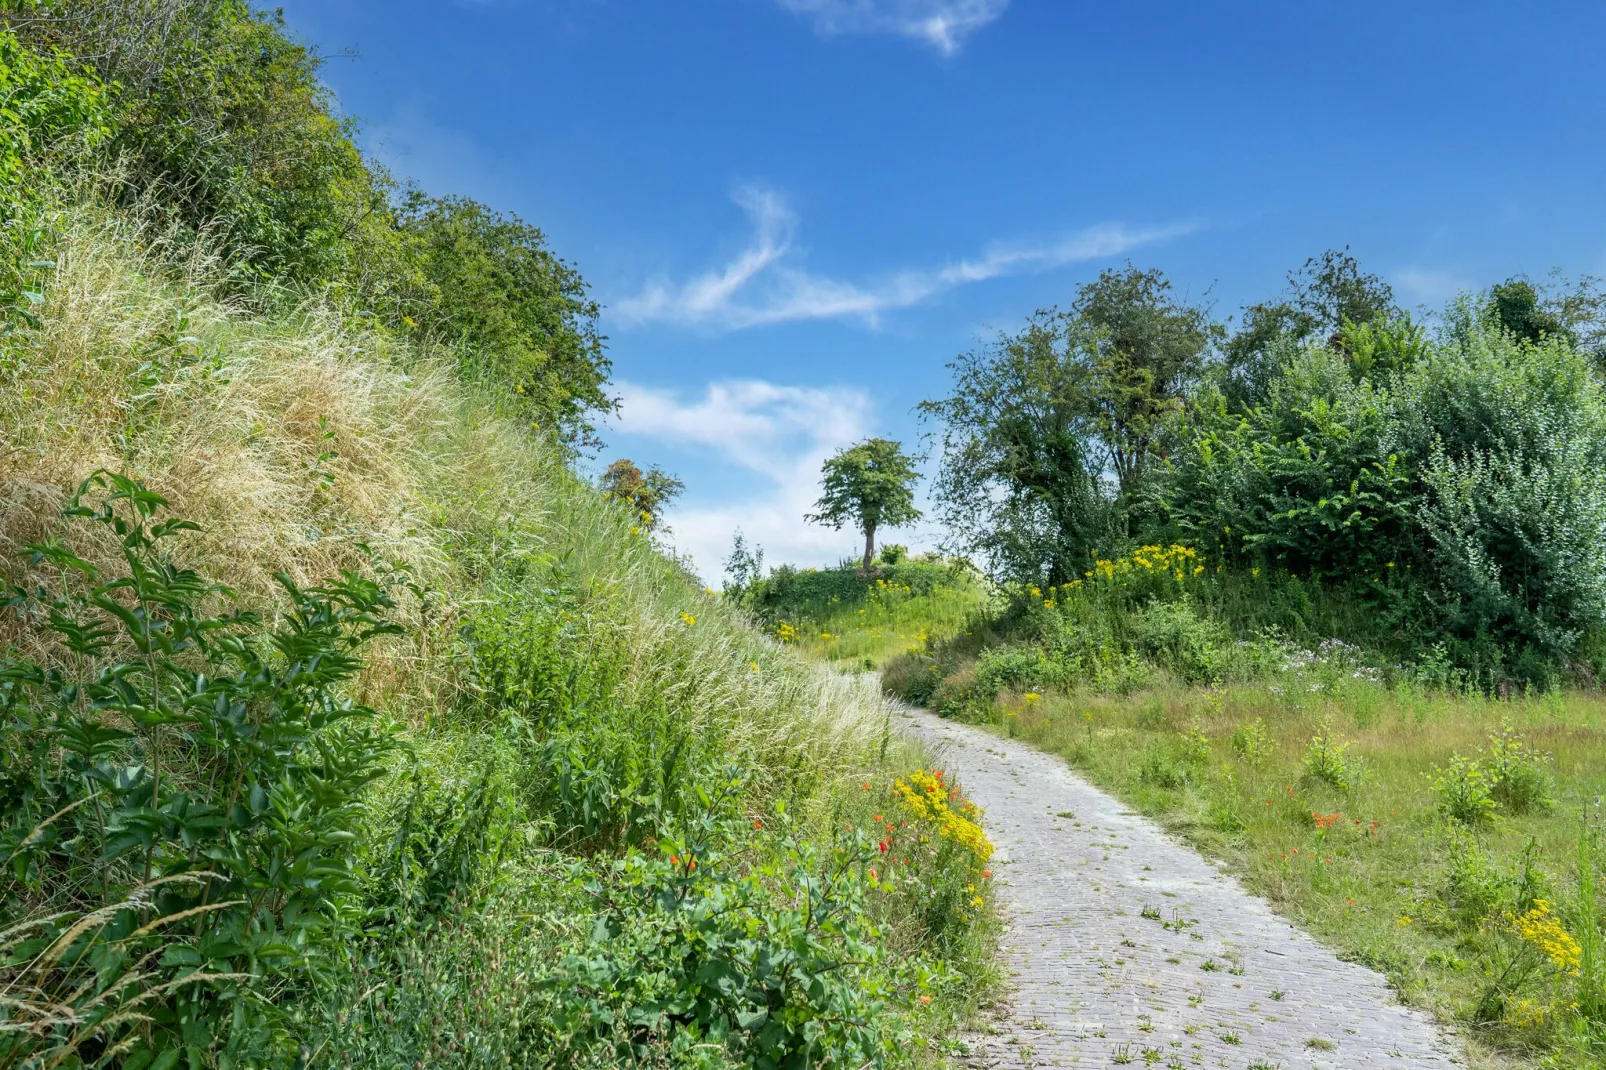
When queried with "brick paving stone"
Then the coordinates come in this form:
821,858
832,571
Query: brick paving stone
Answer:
1128,948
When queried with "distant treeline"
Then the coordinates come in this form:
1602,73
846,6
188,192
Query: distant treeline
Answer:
1444,475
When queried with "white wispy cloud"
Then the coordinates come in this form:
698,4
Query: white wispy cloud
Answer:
764,284
942,24
780,434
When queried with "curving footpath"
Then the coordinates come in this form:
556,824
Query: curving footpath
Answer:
1127,948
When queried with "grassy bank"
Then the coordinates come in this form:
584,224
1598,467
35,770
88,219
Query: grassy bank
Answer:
856,620
537,798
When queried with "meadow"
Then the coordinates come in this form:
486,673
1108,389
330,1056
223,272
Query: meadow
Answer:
1445,834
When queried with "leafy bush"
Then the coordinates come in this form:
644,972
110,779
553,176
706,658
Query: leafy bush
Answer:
163,763
912,676
956,695
1521,775
1511,775
1327,759
1305,482
515,313
1465,791
1013,667
1511,439
695,952
47,101
1249,743
1462,488
220,114
1176,635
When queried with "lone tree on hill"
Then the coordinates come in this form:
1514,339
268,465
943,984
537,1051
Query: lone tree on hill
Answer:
872,485
647,492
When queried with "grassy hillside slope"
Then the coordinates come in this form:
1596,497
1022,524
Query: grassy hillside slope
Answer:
598,819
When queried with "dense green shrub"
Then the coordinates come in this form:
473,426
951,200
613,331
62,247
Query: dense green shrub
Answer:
1509,440
178,792
1175,635
514,312
774,966
1465,791
1303,483
1014,667
1460,491
46,100
220,114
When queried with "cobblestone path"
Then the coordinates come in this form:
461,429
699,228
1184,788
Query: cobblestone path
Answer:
1128,948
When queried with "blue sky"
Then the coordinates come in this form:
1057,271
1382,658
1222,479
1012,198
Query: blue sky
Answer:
797,211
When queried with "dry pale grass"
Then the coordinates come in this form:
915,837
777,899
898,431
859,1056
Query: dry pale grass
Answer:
296,439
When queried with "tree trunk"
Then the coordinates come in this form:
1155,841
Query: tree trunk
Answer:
869,545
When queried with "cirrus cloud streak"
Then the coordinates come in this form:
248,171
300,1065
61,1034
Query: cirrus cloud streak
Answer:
765,284
942,24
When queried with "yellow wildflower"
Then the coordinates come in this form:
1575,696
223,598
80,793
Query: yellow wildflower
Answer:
1538,927
924,796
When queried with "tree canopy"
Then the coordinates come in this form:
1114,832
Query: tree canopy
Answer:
518,314
1018,484
870,485
647,493
1150,350
1326,293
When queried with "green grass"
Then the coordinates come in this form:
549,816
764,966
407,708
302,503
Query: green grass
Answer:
576,721
854,622
1376,871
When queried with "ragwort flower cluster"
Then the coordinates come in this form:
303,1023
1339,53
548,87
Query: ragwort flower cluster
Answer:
930,801
1541,929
